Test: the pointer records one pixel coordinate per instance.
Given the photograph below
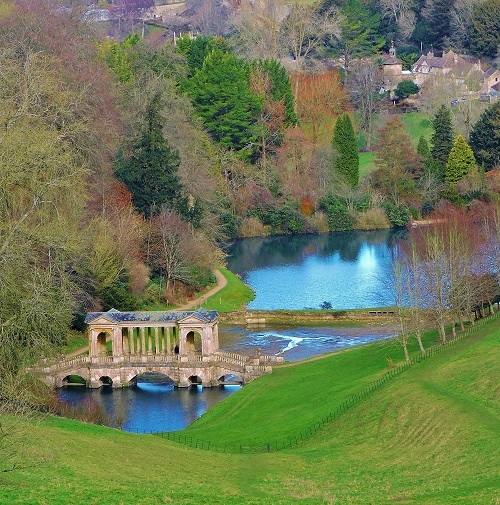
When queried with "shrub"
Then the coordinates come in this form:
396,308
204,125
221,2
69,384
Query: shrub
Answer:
373,219
337,212
398,215
252,227
317,223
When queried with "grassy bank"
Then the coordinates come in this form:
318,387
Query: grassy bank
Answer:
431,436
233,296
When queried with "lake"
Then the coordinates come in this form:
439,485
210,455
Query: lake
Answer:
349,270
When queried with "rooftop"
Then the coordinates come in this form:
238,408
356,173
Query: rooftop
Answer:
156,316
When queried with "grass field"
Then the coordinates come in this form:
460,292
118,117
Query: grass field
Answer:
233,296
430,436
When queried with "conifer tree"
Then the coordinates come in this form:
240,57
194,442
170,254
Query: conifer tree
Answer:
461,162
441,140
344,141
151,172
425,153
485,137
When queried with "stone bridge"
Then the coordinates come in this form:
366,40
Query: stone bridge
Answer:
183,346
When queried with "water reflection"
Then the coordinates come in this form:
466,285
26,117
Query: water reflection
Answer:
347,269
151,407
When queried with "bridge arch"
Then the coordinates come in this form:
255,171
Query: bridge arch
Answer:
230,379
106,380
74,380
151,377
195,380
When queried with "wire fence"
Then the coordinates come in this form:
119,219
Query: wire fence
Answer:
334,414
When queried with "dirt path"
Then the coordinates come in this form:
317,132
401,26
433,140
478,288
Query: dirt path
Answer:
221,282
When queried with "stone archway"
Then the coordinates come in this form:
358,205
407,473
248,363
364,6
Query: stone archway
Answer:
193,342
101,343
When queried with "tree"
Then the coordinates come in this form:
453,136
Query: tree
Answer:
461,162
366,81
405,89
397,164
257,29
359,36
304,29
485,137
151,171
485,31
221,95
344,142
438,23
321,96
441,140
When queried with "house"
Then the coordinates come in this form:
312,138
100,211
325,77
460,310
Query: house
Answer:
449,64
491,81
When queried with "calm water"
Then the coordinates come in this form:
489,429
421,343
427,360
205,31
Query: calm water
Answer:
349,270
151,407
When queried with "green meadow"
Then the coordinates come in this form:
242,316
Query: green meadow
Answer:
428,436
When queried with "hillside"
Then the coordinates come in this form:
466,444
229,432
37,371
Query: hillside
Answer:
430,436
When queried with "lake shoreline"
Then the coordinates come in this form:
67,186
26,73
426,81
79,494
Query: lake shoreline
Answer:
310,317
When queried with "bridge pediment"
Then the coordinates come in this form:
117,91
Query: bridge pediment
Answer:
191,320
101,320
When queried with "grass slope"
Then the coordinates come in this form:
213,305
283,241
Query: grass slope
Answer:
233,296
430,436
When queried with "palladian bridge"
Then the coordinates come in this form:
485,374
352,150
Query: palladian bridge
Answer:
183,345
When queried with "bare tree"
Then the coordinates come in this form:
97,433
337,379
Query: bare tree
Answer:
257,29
366,81
303,31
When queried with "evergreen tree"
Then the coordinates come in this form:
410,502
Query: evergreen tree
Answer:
485,137
461,162
281,88
360,33
425,153
441,140
151,172
485,29
438,23
221,94
344,141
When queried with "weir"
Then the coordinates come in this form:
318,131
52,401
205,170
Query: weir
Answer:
183,345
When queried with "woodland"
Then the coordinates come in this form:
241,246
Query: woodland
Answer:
127,164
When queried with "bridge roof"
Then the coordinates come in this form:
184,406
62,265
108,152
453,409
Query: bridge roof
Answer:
156,316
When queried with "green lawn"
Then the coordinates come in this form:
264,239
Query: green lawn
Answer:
233,296
430,436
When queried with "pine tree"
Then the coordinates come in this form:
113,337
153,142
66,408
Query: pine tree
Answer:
461,162
221,94
441,140
151,172
425,153
485,137
344,141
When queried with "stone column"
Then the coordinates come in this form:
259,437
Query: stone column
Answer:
117,349
157,341
182,340
143,341
150,342
125,340
92,343
131,338
168,349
